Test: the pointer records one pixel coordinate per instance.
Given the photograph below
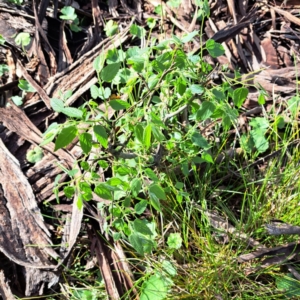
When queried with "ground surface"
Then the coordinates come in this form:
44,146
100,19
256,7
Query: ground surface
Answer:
62,237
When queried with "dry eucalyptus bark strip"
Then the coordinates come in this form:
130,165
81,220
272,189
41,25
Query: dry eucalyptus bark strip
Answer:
5,290
16,120
24,238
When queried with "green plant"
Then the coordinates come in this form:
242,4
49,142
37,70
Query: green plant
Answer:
146,125
68,14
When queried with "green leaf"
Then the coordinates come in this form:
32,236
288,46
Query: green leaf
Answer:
261,99
141,243
139,132
99,62
103,191
68,13
69,191
23,39
155,288
115,181
293,103
85,140
65,137
119,104
259,123
104,93
154,201
135,186
239,96
24,85
137,242
158,191
139,226
57,104
199,140
174,241
151,22
35,155
215,49
17,100
84,165
110,71
111,28
207,157
157,133
289,285
79,202
101,135
196,89
205,111
147,136
260,142
138,31
94,91
137,63
150,173
140,207
152,81
188,37
72,112
180,85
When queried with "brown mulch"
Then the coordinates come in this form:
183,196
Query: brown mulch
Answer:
261,40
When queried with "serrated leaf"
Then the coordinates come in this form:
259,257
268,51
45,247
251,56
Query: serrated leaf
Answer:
239,96
260,142
118,104
137,63
103,191
115,181
205,111
137,242
135,186
158,191
69,191
215,49
154,201
199,140
155,288
101,135
174,241
150,173
65,137
140,207
110,71
137,31
139,226
72,112
86,142
57,104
